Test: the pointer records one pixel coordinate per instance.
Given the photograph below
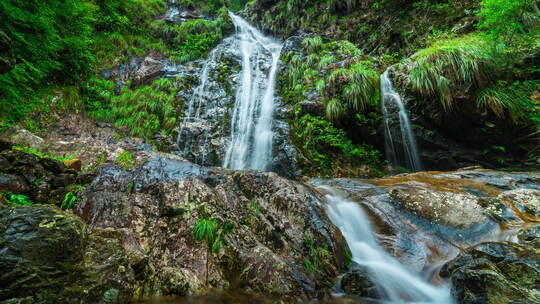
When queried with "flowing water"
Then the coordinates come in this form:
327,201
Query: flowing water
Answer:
395,283
401,147
250,144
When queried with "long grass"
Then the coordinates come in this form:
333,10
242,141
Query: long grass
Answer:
512,100
459,62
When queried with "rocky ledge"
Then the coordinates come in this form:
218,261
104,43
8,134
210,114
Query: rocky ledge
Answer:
132,236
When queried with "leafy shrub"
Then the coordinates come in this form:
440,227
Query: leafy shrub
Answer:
328,148
147,109
505,20
16,199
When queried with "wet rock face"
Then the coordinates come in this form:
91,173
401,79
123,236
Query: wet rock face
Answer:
356,282
51,259
156,207
421,217
496,273
453,209
41,248
203,135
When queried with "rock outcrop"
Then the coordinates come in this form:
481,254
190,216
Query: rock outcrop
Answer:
276,224
496,273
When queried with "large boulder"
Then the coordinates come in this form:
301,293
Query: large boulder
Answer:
48,257
276,224
496,273
41,253
22,137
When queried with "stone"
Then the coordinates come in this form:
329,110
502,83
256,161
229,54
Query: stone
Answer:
495,273
42,247
62,180
4,163
453,209
526,200
85,178
161,201
75,164
149,69
53,165
356,282
22,137
4,145
13,183
52,259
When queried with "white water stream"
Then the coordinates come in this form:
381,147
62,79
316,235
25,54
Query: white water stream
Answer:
401,147
395,283
251,139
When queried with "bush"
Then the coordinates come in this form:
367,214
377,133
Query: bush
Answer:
328,148
147,109
346,84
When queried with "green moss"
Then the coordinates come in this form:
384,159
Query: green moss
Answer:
125,160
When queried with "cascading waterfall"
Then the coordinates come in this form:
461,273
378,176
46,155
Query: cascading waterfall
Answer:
250,144
400,142
395,283
200,95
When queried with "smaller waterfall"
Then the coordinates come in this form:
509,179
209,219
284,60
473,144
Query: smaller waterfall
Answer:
395,283
250,145
200,96
400,141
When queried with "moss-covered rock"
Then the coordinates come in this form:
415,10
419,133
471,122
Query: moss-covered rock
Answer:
42,251
496,273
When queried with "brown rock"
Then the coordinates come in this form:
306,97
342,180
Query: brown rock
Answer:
13,183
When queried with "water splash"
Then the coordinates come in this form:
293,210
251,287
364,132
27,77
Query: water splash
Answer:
395,283
251,139
401,147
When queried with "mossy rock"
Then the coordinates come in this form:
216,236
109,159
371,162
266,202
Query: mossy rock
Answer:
496,273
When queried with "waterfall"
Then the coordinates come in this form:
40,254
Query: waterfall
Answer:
400,142
395,283
193,111
250,145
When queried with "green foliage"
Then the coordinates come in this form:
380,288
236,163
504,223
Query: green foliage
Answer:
437,70
31,150
318,256
51,41
512,100
327,148
192,39
346,90
212,232
143,111
504,20
69,201
16,199
125,160
357,87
